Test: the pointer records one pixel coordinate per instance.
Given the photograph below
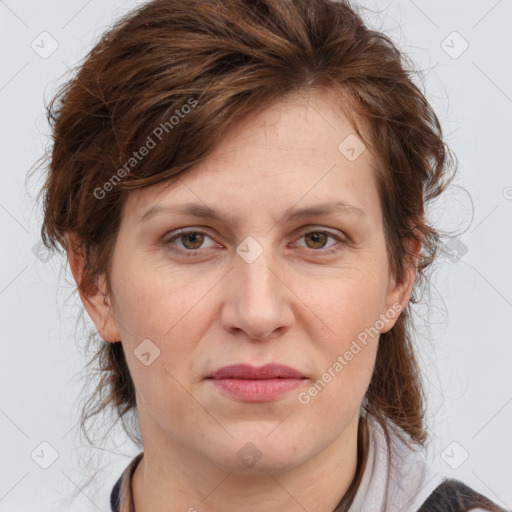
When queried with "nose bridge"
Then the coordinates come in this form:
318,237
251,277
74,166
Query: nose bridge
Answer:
254,267
258,296
254,263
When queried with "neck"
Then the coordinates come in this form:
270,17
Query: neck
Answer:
179,479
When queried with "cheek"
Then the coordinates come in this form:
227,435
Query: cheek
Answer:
346,345
169,310
168,314
153,302
347,314
349,303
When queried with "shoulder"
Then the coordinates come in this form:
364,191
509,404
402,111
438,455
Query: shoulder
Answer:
455,496
416,487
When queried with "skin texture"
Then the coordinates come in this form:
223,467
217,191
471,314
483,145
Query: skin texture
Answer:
295,304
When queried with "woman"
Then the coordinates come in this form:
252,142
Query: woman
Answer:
240,188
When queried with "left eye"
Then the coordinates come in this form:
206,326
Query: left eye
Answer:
193,240
319,237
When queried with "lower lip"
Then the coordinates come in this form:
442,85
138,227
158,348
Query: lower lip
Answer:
254,390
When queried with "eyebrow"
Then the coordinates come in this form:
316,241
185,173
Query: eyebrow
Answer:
291,214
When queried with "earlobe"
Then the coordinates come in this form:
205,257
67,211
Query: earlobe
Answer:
399,293
96,303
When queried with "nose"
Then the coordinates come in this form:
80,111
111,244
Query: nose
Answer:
258,302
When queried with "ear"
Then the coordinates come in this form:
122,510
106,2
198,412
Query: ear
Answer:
98,305
399,293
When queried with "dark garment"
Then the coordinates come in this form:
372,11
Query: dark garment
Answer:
121,498
455,496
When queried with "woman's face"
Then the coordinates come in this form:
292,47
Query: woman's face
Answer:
260,286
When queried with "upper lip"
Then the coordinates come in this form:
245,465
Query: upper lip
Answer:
247,371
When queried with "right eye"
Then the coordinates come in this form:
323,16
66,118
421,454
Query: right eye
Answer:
191,240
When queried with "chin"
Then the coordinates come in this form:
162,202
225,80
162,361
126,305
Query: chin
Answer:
255,455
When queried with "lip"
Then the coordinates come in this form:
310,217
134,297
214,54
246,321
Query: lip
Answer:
247,371
256,384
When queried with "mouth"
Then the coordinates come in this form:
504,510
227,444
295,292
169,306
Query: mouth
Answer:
247,371
248,383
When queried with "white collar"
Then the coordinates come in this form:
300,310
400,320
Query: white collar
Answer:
411,481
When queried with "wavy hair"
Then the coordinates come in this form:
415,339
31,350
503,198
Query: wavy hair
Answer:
212,63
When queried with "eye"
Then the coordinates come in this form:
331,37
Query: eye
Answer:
192,241
318,239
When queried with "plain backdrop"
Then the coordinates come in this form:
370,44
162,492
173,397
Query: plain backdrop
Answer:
463,49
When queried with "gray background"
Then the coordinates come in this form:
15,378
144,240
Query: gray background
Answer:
464,338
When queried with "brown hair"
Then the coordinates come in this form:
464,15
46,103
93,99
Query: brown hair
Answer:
211,63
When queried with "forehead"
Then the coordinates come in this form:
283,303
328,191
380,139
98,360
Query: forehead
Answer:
300,151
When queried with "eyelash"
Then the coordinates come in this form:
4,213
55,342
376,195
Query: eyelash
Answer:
190,253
